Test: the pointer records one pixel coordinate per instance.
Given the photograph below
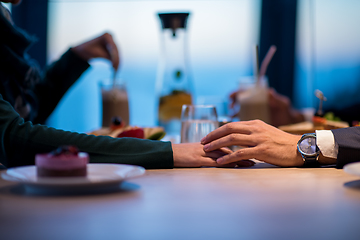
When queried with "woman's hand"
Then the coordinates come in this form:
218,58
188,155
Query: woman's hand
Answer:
281,111
260,141
193,155
100,47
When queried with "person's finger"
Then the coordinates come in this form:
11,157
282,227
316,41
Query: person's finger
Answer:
209,162
229,140
218,153
226,150
229,128
271,96
233,99
112,50
241,154
223,150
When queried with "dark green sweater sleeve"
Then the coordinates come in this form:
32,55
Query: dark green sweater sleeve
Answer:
20,141
57,79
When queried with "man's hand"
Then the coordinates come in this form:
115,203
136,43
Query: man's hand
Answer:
100,47
193,155
260,141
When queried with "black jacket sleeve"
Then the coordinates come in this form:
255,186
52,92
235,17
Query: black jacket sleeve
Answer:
348,140
20,141
58,78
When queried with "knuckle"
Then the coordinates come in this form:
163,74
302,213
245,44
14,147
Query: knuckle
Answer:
255,128
232,137
238,153
230,127
258,122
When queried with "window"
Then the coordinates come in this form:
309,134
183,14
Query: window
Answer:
328,53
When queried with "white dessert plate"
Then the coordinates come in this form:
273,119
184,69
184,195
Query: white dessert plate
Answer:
99,176
353,168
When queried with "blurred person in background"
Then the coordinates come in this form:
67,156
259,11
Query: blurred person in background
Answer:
34,94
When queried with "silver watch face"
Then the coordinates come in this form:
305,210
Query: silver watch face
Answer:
308,146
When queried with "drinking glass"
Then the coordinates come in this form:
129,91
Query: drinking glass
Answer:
221,104
253,99
115,102
197,121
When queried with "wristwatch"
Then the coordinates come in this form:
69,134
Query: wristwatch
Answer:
309,150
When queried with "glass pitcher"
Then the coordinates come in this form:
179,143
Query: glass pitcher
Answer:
174,84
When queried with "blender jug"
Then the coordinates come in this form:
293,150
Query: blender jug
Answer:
174,84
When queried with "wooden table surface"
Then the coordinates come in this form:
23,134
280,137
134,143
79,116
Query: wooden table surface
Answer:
262,202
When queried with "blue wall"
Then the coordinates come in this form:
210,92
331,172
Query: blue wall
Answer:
221,37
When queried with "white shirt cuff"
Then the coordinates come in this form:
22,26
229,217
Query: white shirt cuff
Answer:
326,143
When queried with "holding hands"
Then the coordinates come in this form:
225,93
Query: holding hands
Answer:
260,141
193,155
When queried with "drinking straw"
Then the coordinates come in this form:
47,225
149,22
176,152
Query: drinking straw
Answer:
112,56
266,61
114,78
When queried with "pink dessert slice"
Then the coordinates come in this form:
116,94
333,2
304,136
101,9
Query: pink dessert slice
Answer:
62,164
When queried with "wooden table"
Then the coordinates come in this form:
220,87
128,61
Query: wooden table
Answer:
262,202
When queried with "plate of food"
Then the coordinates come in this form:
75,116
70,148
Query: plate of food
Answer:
327,122
99,177
67,169
118,129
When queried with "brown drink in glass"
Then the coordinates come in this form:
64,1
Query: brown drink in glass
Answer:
115,103
253,99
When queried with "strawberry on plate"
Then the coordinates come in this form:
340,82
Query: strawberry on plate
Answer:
134,133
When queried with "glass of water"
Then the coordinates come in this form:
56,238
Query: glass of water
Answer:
197,121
